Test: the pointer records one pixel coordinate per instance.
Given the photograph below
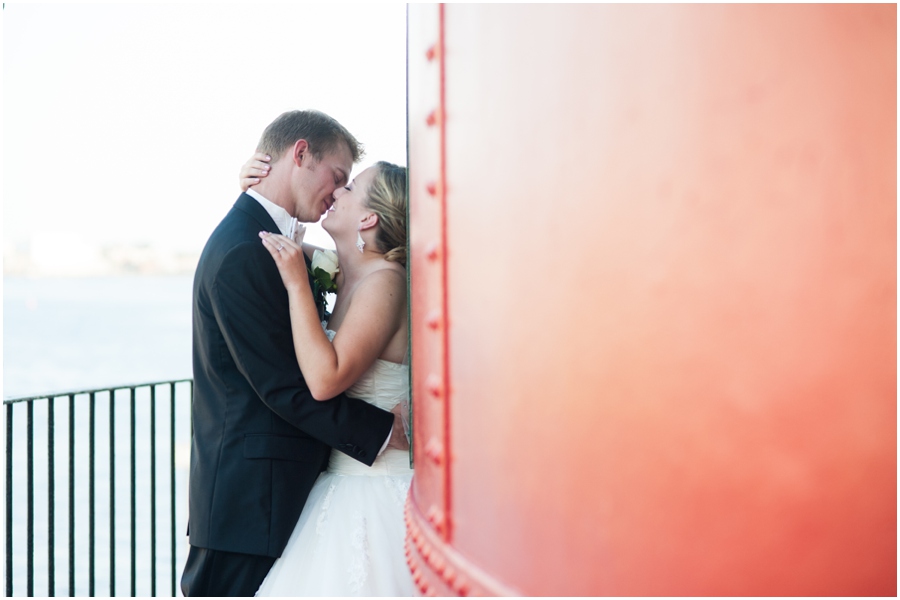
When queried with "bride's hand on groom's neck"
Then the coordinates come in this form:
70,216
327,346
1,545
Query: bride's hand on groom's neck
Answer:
252,171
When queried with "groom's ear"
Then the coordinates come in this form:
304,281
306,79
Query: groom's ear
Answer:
300,152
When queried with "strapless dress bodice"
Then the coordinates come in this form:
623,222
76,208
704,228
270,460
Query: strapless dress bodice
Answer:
385,384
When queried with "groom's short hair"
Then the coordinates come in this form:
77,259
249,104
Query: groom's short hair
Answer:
321,132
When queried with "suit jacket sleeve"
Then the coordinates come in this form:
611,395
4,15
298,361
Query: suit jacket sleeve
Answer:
251,306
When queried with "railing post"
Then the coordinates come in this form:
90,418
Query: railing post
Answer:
30,540
9,464
153,490
133,502
92,501
51,500
71,494
172,478
112,492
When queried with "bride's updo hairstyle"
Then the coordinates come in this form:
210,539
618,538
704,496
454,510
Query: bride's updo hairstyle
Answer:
387,199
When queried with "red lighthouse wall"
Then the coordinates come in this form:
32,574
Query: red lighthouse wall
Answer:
653,265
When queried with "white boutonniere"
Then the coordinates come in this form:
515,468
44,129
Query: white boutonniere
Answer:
323,273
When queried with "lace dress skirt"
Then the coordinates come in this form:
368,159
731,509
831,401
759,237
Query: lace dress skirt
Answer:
349,540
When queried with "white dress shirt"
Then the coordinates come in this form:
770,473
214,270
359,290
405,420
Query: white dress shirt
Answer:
283,219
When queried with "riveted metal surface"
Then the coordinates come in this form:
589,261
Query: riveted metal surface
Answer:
428,259
662,243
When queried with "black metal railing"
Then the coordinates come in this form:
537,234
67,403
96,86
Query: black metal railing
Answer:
156,473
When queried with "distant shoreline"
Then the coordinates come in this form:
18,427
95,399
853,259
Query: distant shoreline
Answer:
35,260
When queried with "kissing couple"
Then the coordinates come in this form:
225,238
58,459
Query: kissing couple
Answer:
299,458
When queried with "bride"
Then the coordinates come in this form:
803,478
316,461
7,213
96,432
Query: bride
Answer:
349,538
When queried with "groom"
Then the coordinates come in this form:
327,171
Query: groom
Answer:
259,438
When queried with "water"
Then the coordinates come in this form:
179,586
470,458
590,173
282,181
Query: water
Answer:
72,334
65,334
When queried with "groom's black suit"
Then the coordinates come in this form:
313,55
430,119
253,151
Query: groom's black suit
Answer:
259,438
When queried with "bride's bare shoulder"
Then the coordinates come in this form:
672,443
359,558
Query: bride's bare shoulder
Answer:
382,284
386,276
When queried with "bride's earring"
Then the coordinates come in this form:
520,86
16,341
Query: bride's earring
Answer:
360,243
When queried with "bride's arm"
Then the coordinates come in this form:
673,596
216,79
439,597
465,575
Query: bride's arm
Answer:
252,172
371,321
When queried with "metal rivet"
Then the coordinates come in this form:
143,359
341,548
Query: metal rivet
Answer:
439,565
435,451
433,383
435,516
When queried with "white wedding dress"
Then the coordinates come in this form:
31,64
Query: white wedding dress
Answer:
349,540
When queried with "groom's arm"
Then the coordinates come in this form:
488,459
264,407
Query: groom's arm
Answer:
250,306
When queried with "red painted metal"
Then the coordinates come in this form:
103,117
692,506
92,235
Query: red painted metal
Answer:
653,262
429,309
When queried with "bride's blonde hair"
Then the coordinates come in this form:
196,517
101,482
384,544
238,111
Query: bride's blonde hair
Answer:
387,198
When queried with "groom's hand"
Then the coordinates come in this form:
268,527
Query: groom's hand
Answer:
398,433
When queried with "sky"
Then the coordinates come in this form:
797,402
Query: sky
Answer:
129,122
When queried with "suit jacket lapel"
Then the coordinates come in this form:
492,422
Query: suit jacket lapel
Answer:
249,205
